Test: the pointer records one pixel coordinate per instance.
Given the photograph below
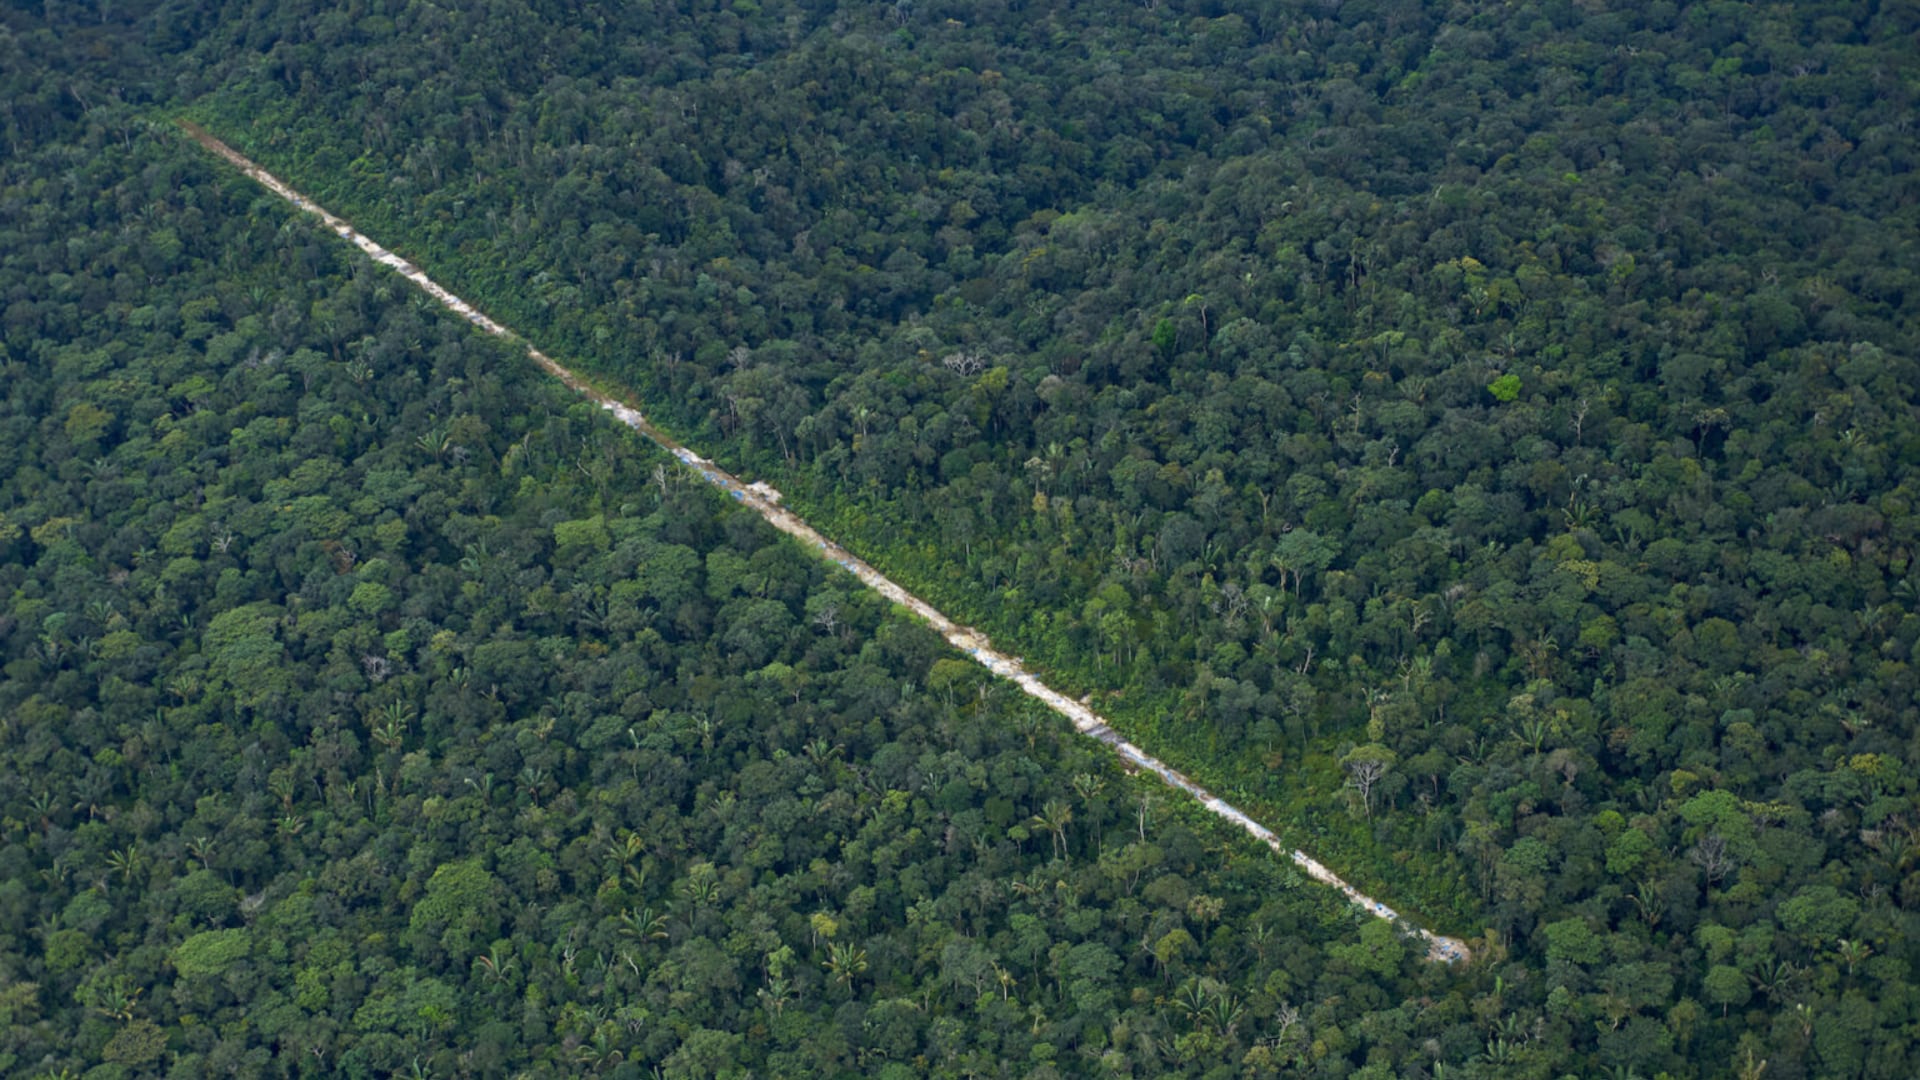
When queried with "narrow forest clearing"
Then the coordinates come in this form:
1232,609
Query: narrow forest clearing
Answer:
766,502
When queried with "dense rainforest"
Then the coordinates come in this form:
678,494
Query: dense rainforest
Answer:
1483,437
389,710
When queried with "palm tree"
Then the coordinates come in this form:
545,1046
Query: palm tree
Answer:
702,887
624,851
531,779
1006,980
90,791
100,613
1206,909
643,925
1090,787
496,965
436,442
1774,977
1225,1013
775,995
1854,953
126,862
820,752
184,687
1054,817
116,1001
845,963
390,724
1191,1000
43,807
600,1054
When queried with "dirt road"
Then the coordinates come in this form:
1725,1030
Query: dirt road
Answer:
766,502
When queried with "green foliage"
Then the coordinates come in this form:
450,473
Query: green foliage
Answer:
1573,941
1057,317
244,651
1165,338
370,598
454,891
1506,388
671,797
1378,949
1818,914
573,537
211,953
140,1042
67,950
1726,987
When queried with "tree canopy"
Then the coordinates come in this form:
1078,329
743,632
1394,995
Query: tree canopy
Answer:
1480,437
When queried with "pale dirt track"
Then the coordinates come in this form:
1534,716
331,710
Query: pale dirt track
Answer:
765,501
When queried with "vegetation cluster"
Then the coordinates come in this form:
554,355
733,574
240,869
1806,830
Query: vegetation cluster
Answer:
1482,437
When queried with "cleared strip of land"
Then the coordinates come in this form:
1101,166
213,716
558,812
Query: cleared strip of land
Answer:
766,502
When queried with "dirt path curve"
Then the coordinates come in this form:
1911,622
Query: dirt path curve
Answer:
766,502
